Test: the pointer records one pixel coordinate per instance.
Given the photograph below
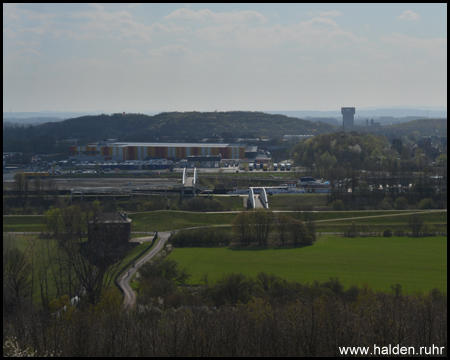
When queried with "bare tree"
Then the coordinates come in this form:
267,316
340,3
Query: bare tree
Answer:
261,224
16,272
415,223
42,267
306,214
297,231
282,222
241,228
19,181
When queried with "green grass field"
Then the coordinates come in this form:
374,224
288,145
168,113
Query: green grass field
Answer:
418,264
25,223
172,220
231,203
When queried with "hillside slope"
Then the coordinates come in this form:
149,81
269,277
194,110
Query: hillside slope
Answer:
188,125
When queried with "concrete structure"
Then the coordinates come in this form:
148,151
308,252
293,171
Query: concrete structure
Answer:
348,116
251,151
202,161
122,151
189,183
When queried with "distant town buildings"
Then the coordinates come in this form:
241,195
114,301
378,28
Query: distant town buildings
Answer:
348,116
372,123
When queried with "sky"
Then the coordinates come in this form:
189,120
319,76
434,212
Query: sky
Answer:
206,57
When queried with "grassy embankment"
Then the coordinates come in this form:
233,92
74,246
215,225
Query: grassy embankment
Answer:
287,202
327,221
418,264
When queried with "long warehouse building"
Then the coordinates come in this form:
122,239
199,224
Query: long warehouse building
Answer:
122,151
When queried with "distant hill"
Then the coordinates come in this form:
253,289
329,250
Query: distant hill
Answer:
187,125
369,113
426,127
32,120
47,114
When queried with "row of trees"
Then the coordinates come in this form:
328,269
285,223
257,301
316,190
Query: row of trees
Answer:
415,223
30,196
373,191
255,226
206,237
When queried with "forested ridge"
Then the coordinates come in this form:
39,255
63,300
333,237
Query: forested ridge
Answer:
187,125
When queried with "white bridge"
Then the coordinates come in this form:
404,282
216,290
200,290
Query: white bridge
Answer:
189,182
258,200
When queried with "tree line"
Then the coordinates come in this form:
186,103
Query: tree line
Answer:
255,227
265,316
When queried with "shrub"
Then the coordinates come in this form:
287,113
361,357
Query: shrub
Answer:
352,293
399,232
386,204
334,285
426,204
337,205
415,223
308,240
428,230
201,238
387,233
231,289
401,203
352,230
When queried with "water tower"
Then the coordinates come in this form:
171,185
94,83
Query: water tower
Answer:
348,116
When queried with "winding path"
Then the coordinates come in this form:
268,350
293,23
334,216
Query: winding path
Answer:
124,281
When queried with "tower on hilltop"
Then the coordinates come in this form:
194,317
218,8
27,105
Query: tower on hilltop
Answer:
348,116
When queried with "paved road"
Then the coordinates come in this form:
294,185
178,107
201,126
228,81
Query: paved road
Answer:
124,281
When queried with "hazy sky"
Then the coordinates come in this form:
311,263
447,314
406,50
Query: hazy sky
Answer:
206,57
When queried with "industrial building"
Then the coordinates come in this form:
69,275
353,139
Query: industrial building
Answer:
123,151
348,116
201,161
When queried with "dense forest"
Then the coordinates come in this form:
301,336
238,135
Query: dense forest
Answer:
361,151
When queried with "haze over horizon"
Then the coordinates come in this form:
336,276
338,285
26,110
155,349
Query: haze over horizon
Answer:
207,57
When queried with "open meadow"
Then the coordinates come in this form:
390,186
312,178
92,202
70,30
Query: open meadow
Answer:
418,264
